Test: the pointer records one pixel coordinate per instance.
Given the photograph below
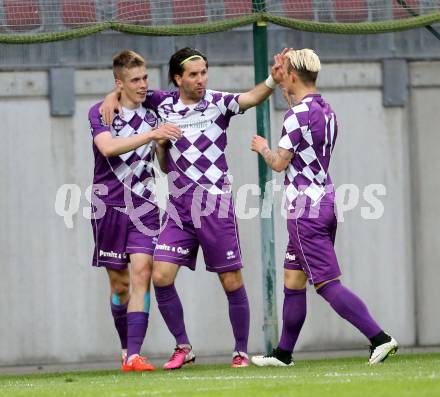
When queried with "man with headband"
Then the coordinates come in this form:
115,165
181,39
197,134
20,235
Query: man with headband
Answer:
304,151
197,173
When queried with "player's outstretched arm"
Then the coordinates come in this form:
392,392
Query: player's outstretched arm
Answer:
110,146
255,96
110,105
277,160
263,90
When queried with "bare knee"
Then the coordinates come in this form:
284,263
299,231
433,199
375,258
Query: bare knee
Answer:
120,283
295,279
164,274
140,278
159,279
141,266
121,287
231,281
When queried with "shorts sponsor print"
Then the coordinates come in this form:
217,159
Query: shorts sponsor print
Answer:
117,235
211,226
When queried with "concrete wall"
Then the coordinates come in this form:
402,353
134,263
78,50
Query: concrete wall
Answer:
54,306
424,118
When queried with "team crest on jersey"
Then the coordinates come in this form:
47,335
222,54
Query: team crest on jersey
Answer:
118,124
101,121
150,119
167,108
202,106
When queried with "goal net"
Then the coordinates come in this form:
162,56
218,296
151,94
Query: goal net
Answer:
46,20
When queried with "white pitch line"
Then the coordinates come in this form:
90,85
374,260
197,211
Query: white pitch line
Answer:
338,374
237,377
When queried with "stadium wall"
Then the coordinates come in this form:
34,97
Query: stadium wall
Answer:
54,306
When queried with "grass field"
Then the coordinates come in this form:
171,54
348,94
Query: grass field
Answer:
402,375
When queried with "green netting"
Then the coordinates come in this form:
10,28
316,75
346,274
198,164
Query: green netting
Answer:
357,28
36,21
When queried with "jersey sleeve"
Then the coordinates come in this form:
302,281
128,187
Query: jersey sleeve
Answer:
96,121
291,133
227,103
154,99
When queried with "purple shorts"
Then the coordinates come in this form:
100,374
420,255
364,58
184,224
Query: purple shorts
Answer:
117,235
204,220
311,244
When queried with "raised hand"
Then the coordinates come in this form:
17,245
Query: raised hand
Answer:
108,107
277,70
286,50
258,143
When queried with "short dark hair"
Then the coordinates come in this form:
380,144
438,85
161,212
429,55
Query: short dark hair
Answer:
305,75
126,59
177,67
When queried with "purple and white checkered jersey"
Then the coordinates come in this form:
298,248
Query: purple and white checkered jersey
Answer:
132,170
198,156
309,131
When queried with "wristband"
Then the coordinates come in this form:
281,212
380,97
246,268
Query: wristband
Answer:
270,83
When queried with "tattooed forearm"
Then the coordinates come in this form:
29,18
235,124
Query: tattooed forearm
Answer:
278,160
269,156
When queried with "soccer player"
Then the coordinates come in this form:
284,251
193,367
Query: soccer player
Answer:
200,194
124,182
304,152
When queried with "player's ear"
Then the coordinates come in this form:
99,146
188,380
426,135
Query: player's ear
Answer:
178,79
293,76
119,84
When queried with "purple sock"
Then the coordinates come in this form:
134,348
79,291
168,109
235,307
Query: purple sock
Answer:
239,317
349,307
137,323
294,315
172,312
119,313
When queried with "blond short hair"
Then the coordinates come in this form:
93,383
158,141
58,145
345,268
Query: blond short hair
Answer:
306,63
126,59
